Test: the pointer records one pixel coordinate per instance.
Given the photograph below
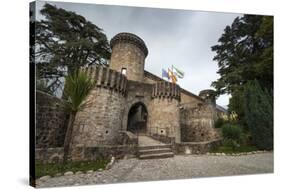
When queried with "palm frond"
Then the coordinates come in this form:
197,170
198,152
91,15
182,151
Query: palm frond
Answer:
77,87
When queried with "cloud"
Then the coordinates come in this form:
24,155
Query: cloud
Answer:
179,37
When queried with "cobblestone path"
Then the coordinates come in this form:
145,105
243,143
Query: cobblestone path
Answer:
178,167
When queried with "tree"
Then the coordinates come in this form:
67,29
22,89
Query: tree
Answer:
259,114
245,53
66,41
78,86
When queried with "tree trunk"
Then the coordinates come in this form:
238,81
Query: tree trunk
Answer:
68,136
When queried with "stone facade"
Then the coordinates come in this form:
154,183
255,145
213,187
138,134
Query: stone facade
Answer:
136,98
51,121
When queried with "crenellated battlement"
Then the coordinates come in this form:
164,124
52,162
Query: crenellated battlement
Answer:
107,78
166,90
129,38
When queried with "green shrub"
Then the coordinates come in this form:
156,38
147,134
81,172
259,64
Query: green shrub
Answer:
232,135
219,123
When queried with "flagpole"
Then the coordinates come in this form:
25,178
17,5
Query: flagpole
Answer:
172,72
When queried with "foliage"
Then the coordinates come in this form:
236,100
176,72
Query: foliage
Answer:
42,169
237,104
66,41
219,123
229,150
232,135
232,117
245,53
77,87
259,114
42,85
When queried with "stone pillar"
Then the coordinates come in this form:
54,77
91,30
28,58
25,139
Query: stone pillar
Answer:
128,52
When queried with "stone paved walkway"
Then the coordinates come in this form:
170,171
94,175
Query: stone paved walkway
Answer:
147,141
178,167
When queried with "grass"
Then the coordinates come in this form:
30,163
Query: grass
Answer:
42,169
229,150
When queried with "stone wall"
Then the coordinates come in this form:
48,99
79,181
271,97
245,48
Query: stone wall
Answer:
151,78
197,147
128,51
49,155
51,121
100,121
191,99
197,124
103,152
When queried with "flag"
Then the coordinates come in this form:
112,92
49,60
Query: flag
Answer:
178,73
172,76
165,74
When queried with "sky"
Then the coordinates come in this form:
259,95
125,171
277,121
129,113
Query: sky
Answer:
182,38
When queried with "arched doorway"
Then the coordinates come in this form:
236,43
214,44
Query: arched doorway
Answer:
137,118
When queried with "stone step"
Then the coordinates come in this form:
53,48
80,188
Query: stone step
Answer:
157,156
154,151
155,147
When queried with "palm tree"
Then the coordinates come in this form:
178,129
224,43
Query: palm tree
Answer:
77,86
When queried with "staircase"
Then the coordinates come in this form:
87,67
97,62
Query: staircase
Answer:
155,152
153,149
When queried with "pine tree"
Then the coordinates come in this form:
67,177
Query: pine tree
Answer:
245,52
66,41
259,115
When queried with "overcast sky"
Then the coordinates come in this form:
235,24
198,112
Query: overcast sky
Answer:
179,37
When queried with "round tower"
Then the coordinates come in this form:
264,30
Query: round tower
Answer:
128,55
164,119
99,121
208,95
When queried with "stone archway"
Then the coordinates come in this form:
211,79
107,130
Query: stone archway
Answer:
137,118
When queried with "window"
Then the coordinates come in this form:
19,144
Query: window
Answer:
124,71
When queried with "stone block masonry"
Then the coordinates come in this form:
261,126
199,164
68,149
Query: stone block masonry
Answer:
164,116
128,52
100,121
126,102
197,123
51,121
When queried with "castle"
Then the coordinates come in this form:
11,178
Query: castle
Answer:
128,101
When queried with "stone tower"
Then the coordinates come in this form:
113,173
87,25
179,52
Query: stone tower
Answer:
100,120
208,95
165,115
128,55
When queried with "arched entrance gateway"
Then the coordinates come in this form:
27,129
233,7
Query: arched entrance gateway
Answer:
137,118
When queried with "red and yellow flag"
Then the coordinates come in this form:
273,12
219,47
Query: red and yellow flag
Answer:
172,76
